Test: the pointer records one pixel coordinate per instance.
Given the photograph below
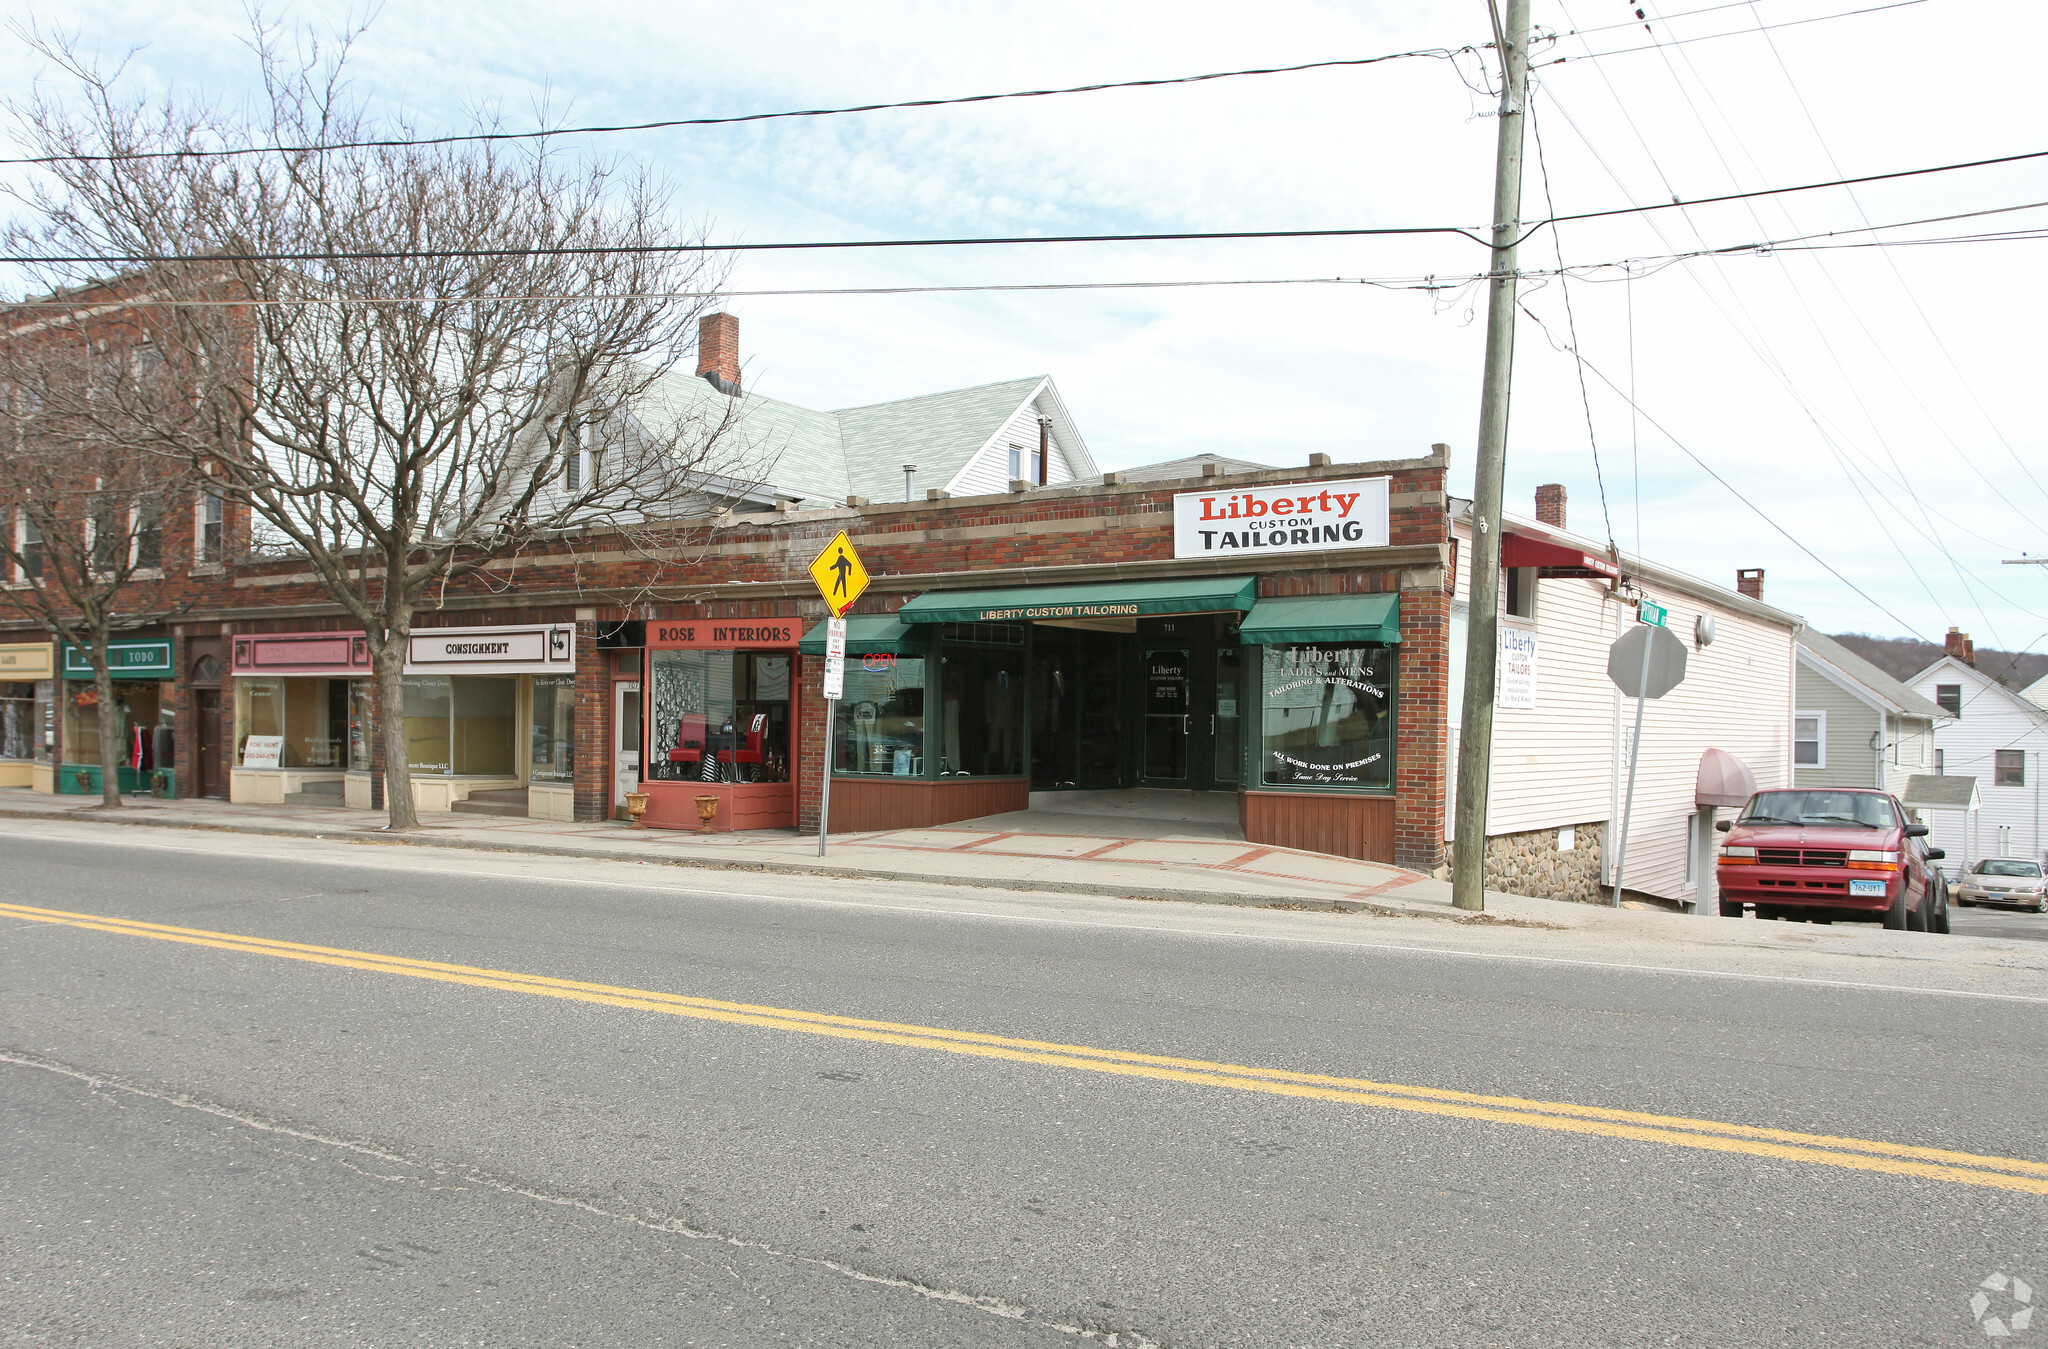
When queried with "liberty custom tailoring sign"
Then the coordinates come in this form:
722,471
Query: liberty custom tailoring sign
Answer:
1297,517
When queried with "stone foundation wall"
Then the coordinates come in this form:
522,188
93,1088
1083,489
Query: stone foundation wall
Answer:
1530,864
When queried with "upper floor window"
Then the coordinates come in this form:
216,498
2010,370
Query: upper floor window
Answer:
211,533
1521,590
1950,696
149,534
1809,740
2011,769
29,543
1016,462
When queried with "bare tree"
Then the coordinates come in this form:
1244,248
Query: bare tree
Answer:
83,541
400,357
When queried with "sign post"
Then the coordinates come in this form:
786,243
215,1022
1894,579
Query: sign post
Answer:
840,578
1650,659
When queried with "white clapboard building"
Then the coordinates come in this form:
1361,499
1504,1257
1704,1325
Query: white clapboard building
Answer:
1997,736
1562,731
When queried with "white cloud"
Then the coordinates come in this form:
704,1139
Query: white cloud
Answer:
1775,370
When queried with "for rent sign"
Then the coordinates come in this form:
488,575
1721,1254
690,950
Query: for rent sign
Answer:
1297,517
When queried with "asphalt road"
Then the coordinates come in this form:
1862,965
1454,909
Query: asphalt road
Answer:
2010,924
344,1104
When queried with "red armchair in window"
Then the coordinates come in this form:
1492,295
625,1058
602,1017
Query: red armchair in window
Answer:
689,741
757,730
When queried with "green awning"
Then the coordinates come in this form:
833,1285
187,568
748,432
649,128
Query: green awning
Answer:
1323,618
869,635
1112,599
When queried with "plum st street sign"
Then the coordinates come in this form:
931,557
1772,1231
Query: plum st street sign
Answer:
1647,661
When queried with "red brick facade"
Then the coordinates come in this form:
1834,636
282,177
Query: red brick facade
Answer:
753,566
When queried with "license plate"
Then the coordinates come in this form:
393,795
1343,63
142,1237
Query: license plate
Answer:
1866,887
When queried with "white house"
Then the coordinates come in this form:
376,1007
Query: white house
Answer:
1999,737
1562,729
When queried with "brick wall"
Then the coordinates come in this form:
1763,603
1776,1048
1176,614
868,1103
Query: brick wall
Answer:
593,726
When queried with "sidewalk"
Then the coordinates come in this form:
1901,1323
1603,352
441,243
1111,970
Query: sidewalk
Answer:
1131,860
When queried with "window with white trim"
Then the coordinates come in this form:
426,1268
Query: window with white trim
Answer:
209,526
1810,740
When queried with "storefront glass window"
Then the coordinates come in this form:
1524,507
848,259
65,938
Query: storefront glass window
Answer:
140,707
1328,716
880,723
554,728
46,720
359,725
719,716
310,714
426,723
982,703
485,721
17,720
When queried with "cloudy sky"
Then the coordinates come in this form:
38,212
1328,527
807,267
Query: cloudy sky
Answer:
1879,405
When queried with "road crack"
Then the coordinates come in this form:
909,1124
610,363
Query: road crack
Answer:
645,1218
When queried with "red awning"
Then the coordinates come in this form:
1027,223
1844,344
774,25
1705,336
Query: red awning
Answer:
1723,780
1517,550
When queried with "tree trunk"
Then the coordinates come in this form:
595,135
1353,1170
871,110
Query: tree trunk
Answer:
389,658
110,757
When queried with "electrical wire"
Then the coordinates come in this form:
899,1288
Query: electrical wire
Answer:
545,133
1739,32
1733,491
1475,233
1571,324
548,133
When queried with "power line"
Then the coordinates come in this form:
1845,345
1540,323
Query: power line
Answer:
1733,491
548,133
1709,37
401,142
596,250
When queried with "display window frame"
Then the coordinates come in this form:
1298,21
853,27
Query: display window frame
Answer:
1252,745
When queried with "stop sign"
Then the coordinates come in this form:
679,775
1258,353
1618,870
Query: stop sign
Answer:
1666,656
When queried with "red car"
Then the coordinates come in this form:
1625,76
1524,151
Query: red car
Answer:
1831,852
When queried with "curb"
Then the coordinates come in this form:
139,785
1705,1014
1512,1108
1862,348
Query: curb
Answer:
1090,888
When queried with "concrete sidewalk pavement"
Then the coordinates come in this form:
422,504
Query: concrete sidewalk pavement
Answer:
1143,863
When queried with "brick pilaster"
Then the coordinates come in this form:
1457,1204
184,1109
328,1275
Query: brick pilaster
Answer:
593,726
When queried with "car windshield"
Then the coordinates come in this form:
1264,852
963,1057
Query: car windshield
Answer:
1999,866
1864,810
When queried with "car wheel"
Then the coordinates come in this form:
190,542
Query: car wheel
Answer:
2041,905
1731,908
1917,916
1895,916
1939,923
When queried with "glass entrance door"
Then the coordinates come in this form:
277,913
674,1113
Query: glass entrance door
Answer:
1166,716
1223,723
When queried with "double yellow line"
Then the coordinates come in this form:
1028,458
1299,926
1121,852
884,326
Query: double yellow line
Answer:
1857,1154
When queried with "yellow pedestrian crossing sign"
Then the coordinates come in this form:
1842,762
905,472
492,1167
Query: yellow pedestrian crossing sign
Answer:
839,575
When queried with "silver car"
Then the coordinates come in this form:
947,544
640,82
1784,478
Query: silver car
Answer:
2004,880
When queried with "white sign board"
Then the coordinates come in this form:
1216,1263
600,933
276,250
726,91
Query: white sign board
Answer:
1517,668
835,657
262,751
1302,517
492,650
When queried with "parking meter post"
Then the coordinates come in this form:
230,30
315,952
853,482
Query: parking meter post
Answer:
1635,756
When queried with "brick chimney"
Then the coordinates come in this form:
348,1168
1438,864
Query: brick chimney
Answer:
718,351
1959,645
1749,581
1550,505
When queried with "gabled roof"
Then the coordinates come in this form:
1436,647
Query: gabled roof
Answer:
939,432
1835,662
1935,792
1985,683
2037,692
826,456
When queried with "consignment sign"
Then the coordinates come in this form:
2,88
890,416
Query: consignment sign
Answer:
1290,518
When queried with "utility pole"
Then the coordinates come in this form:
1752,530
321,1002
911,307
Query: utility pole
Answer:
1482,642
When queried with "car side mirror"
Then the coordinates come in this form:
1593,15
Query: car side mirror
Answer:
1724,825
1916,831
1936,854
